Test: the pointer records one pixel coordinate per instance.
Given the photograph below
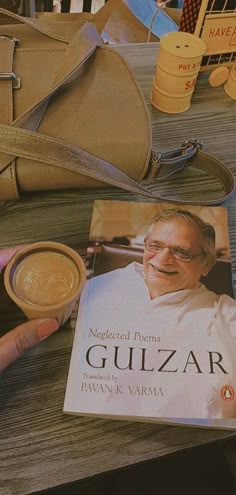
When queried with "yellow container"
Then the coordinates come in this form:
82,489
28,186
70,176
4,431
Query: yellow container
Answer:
181,53
168,83
178,65
230,85
174,103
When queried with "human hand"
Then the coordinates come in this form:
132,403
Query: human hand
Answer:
14,343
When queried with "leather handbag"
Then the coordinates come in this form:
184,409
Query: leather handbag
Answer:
73,116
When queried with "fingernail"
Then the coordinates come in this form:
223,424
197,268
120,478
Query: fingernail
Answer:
46,328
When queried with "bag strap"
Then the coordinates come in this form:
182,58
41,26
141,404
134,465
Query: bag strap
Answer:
50,29
78,51
82,45
23,143
50,151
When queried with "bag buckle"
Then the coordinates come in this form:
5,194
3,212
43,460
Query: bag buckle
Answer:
7,76
188,148
10,76
192,142
165,164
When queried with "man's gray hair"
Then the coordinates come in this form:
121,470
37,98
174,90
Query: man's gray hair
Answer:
206,230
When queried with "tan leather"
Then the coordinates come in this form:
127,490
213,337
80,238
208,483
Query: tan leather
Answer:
8,176
65,17
6,86
83,112
114,19
122,26
104,13
61,156
99,18
80,120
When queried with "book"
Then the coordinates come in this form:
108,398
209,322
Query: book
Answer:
214,21
156,327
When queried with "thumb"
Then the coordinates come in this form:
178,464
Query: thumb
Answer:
14,343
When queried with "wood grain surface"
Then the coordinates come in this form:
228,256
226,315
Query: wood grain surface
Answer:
39,446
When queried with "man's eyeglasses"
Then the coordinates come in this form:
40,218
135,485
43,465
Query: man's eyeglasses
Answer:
177,252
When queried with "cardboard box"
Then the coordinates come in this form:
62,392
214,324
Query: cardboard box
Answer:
125,21
132,21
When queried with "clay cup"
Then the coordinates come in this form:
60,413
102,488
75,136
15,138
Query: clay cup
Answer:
45,280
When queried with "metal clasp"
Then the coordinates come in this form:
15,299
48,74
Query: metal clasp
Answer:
7,76
10,76
165,164
193,142
156,158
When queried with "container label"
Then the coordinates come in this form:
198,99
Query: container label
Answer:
219,33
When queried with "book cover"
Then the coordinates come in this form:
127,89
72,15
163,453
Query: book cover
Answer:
214,21
156,327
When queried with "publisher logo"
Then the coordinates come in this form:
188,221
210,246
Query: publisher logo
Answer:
227,393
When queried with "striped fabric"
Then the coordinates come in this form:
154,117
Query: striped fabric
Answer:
189,16
86,5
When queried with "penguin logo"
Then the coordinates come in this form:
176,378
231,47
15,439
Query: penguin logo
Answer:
227,393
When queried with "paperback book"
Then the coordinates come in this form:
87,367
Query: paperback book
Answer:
156,327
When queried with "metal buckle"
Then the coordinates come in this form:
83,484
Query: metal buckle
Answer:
156,158
7,76
174,160
193,142
10,76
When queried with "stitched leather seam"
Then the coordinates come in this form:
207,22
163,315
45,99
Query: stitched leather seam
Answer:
13,182
92,48
29,113
209,168
77,35
195,165
149,144
35,107
38,28
53,161
36,50
224,169
49,33
10,89
8,85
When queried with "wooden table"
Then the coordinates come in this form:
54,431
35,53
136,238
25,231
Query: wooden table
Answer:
39,446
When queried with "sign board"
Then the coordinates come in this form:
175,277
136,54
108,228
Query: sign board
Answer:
216,26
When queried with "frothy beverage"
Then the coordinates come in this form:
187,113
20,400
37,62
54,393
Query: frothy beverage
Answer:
45,278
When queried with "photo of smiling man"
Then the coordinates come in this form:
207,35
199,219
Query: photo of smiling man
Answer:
153,321
179,249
